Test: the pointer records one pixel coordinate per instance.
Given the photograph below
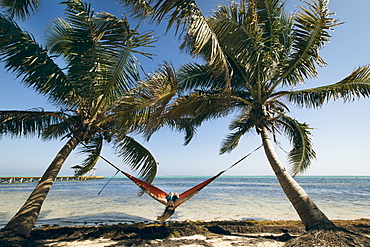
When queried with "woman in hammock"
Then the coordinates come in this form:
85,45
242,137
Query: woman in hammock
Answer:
172,201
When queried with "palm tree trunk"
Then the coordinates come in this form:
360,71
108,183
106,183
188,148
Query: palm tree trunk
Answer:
23,221
312,217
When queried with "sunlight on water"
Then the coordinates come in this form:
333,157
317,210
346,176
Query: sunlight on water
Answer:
227,198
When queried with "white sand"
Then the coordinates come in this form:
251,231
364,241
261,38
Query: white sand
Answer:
214,240
101,242
231,241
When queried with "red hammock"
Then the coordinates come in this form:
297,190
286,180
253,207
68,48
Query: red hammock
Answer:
160,195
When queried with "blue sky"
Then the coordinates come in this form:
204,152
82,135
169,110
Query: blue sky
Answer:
340,136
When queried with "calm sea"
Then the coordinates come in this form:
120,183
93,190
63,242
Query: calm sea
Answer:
226,198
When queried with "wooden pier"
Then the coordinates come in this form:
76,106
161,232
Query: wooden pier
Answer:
9,180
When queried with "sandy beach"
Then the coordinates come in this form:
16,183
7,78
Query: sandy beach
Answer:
195,234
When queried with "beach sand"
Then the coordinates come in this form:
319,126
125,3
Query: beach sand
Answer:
196,234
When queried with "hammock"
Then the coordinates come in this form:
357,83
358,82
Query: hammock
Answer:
162,196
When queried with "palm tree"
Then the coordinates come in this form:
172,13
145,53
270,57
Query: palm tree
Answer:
98,72
254,55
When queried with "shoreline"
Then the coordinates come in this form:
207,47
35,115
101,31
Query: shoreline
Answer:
192,233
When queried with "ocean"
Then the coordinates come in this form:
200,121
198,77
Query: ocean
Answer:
226,198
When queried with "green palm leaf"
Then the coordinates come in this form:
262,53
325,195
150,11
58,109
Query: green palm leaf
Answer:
201,106
302,153
354,86
141,108
92,150
27,59
193,75
241,38
311,28
186,125
98,48
26,123
137,157
200,37
57,130
138,8
241,124
20,8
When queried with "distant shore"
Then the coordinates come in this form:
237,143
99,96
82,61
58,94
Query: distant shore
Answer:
215,233
32,179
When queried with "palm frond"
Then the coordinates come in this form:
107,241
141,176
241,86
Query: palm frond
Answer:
25,58
237,29
26,123
118,78
194,75
310,33
302,153
137,157
115,34
55,131
255,37
142,107
159,90
353,87
92,150
270,13
20,8
138,8
187,113
231,141
241,124
186,125
276,26
73,37
58,32
201,105
99,50
179,12
187,17
78,13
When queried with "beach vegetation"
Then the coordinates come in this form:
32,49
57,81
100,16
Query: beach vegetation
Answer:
87,71
253,62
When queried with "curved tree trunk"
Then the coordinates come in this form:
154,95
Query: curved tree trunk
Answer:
312,217
23,222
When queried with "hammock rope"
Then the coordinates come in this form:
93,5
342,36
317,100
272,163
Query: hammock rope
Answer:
243,158
126,174
108,182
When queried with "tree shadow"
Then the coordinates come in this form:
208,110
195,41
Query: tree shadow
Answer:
90,220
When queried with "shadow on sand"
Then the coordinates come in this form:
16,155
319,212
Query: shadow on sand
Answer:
91,220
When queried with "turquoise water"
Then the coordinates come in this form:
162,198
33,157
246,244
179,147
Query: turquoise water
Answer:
226,198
